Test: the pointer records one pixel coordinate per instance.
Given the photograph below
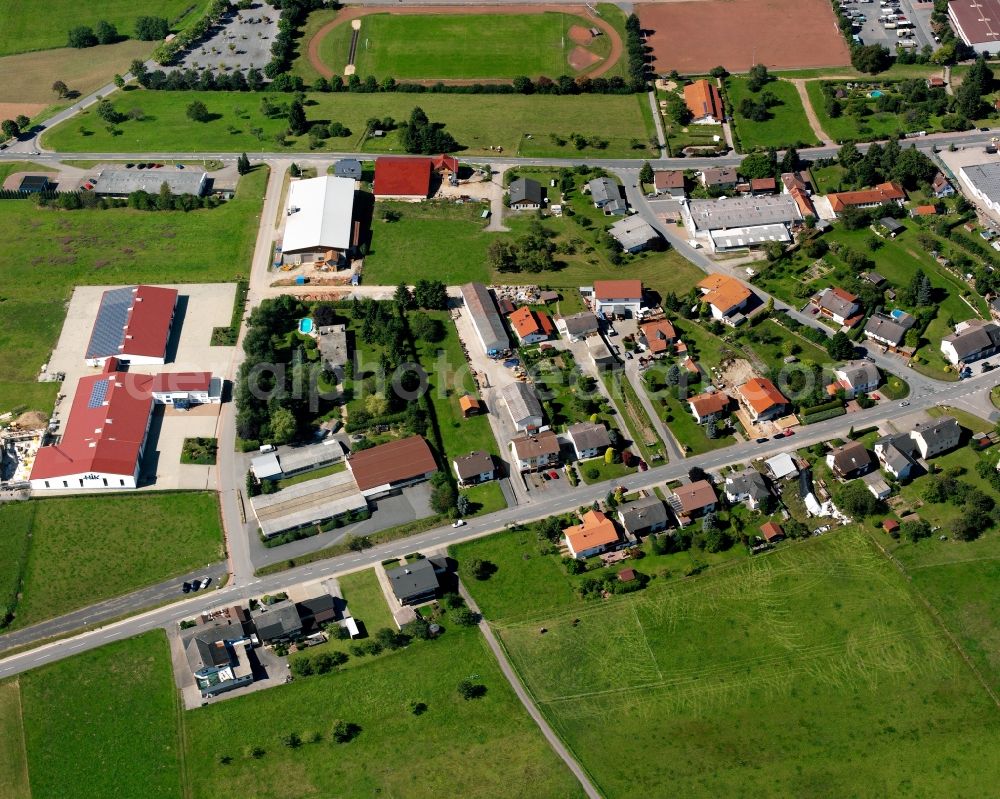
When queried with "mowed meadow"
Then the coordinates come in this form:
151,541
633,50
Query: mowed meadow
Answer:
809,671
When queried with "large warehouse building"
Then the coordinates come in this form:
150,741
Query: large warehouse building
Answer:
105,436
389,467
485,318
319,224
122,182
133,325
977,23
982,181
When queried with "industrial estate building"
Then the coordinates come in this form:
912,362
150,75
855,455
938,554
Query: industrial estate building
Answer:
977,23
485,318
730,223
320,223
133,325
123,182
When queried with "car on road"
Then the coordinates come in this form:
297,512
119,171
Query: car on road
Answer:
458,523
205,582
985,130
761,440
628,355
195,585
780,435
186,588
554,474
904,403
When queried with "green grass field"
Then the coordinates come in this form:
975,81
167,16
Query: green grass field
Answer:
85,549
25,29
13,759
113,709
787,126
63,249
476,122
804,672
18,518
462,46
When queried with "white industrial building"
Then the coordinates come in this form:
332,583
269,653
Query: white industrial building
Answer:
319,223
982,182
485,318
730,223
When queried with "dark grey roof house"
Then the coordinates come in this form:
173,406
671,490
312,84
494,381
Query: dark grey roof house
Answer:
748,486
348,168
607,194
525,193
277,622
643,516
414,583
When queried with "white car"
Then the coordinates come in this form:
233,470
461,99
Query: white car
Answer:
459,523
205,581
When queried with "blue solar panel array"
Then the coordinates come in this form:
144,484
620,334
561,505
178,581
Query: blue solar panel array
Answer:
98,393
109,326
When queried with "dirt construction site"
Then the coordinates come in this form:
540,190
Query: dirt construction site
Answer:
692,36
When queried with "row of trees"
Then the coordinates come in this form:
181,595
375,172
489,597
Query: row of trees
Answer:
147,29
907,166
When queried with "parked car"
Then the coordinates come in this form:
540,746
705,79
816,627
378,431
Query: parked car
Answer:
205,582
195,585
186,588
554,474
761,440
458,523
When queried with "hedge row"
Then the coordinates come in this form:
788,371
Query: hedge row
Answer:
168,51
824,415
823,406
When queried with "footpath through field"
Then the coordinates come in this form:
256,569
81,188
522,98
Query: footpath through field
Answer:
356,12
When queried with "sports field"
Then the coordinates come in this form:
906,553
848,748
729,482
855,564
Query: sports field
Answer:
463,46
809,671
693,37
28,25
63,249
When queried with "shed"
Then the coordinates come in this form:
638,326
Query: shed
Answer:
34,184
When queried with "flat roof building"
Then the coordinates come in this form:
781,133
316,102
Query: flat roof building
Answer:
310,502
319,223
983,180
122,182
485,318
977,22
743,212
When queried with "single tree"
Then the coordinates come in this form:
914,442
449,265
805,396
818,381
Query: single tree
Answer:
197,111
82,36
10,128
297,124
60,88
646,173
243,164
119,81
106,32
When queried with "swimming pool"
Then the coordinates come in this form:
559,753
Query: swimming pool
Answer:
897,314
875,93
305,326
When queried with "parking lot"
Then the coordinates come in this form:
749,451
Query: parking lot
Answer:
243,42
874,31
200,307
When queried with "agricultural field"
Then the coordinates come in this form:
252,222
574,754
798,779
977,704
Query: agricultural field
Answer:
464,46
787,124
526,125
25,30
63,249
98,536
756,652
113,708
13,759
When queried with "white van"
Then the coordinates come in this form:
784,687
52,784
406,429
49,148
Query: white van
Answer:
267,448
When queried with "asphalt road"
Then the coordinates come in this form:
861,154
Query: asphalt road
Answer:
444,536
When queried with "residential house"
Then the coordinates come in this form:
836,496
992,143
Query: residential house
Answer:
972,341
414,583
523,406
708,406
659,336
469,405
534,452
332,343
889,330
634,234
703,101
589,439
936,436
530,326
669,181
763,186
796,180
839,305
924,210
762,399
643,516
850,460
748,486
606,194
692,500
897,453
890,192
595,534
315,611
578,326
617,298
475,468
348,168
941,186
856,377
772,532
220,656
524,194
782,466
277,622
726,297
724,177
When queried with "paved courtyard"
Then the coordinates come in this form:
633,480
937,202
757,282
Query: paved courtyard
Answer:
244,41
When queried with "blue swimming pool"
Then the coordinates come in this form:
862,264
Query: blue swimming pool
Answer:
875,93
897,314
305,326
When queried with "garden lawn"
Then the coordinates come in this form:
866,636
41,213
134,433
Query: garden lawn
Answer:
476,122
605,471
433,239
468,748
689,433
778,343
86,549
113,709
485,498
761,651
787,125
25,29
8,168
62,249
462,46
827,178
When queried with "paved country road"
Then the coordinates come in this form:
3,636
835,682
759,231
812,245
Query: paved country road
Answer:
495,522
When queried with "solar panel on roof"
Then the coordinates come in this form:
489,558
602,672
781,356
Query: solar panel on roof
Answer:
98,394
109,327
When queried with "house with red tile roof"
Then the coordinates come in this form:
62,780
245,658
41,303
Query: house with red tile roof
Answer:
595,533
399,178
890,192
708,406
658,336
725,295
703,101
762,399
531,326
617,297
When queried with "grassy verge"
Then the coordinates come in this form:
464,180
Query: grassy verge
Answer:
227,336
199,451
98,536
